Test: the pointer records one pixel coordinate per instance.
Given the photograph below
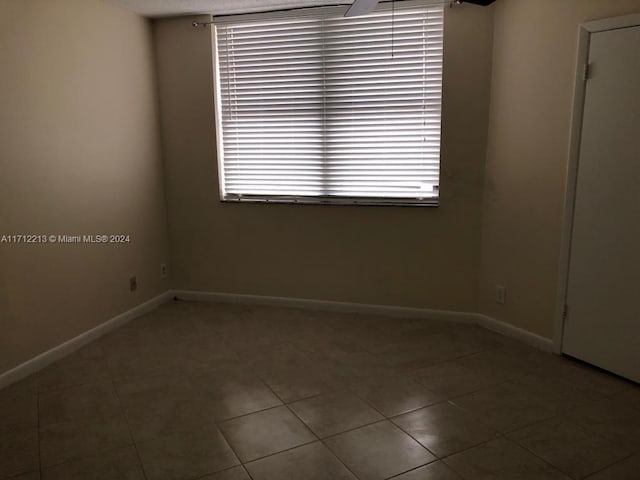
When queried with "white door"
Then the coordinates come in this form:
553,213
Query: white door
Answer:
602,326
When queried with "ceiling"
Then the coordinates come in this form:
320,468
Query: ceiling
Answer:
170,8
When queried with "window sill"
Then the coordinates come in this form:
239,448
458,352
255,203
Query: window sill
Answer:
344,201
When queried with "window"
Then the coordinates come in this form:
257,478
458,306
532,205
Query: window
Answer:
321,108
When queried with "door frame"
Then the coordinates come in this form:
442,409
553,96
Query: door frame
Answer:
584,41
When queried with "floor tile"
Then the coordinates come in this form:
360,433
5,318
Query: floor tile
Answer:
87,365
433,471
396,395
18,451
160,405
344,370
86,402
569,447
184,456
629,397
234,392
27,476
61,442
560,395
294,383
625,470
235,473
309,462
132,357
506,407
444,428
57,376
122,463
140,334
200,353
268,350
264,433
481,337
426,351
191,329
450,379
613,419
596,382
166,417
495,365
26,385
334,413
142,389
378,451
18,408
501,460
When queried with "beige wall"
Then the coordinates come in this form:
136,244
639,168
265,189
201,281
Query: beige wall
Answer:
79,154
422,257
534,58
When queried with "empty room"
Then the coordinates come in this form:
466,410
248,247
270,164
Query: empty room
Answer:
319,239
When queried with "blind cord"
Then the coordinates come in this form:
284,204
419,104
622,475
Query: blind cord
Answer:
393,19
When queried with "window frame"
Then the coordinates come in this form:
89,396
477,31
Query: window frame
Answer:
299,199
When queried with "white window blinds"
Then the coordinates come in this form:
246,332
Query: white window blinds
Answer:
322,108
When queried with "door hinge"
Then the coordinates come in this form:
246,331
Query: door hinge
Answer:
565,312
586,74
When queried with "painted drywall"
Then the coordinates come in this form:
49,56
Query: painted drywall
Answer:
416,257
79,154
534,65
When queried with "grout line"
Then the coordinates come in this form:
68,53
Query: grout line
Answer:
279,452
126,419
384,419
546,462
338,458
322,442
315,395
453,469
38,428
84,422
414,371
414,469
224,470
217,424
444,457
307,427
403,413
562,417
246,470
225,420
85,457
627,457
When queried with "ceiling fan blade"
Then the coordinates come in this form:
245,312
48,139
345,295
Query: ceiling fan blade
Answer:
484,3
361,7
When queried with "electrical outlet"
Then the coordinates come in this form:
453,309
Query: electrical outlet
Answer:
501,294
163,270
133,284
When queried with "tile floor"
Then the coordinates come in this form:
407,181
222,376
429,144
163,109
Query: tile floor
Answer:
224,392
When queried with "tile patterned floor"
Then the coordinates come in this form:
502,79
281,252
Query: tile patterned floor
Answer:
223,392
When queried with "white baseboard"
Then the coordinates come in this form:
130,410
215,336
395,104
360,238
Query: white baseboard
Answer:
70,346
517,333
327,305
479,319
